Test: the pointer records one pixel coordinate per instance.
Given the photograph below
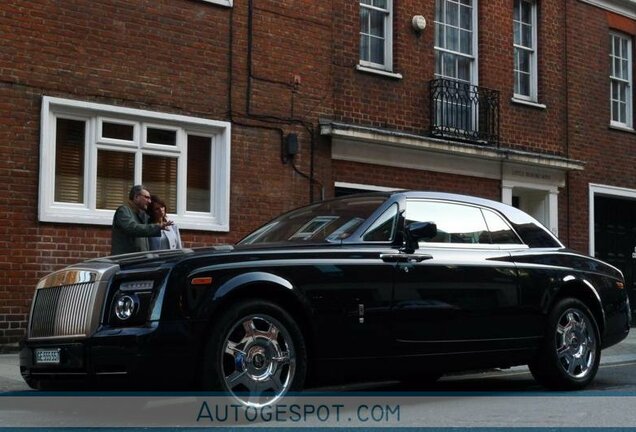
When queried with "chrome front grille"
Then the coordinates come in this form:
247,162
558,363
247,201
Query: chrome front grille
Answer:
62,311
68,303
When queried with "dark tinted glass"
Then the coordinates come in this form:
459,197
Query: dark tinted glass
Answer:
500,231
328,221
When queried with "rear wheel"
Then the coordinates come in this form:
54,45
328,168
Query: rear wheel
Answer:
570,353
256,352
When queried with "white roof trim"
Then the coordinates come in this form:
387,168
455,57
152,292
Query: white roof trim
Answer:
622,7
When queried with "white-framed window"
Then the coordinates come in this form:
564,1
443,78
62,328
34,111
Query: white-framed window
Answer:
621,81
376,34
525,49
456,60
455,40
92,154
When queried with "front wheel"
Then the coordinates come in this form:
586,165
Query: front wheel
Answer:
569,355
256,352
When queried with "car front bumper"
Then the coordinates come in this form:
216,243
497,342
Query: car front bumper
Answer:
142,356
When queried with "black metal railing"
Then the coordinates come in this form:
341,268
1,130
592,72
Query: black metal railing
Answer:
463,111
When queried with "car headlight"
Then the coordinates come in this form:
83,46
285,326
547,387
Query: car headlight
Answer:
125,306
133,298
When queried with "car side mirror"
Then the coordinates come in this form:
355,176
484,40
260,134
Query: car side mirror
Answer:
417,231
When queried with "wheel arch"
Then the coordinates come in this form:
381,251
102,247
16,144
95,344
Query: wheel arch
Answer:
269,287
585,292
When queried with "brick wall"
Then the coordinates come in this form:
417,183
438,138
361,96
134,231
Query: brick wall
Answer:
403,178
403,104
168,56
610,153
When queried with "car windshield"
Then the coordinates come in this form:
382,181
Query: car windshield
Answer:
328,221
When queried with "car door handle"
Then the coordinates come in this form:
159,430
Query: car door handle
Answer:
405,258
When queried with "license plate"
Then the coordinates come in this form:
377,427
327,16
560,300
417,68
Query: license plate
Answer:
47,356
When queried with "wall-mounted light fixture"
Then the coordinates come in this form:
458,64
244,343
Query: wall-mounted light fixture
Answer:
419,23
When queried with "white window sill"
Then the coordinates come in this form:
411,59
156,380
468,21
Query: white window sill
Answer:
378,72
105,217
528,103
227,3
622,128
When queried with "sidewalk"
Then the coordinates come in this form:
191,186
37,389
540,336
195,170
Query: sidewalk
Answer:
624,352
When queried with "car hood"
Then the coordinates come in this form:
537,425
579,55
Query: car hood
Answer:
159,257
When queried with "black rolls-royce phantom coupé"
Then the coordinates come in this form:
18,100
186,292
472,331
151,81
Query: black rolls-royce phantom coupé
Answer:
406,285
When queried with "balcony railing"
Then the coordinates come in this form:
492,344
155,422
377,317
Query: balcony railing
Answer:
464,112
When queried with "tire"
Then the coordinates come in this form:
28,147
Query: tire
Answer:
256,352
570,353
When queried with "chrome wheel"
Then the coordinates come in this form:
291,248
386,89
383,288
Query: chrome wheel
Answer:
569,355
259,360
575,343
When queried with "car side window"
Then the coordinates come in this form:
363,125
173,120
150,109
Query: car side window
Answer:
456,223
500,231
383,229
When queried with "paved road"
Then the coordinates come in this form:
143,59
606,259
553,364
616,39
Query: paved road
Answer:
498,398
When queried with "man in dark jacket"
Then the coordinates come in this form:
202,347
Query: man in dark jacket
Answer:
130,224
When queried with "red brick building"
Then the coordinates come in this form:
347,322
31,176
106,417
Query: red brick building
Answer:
236,111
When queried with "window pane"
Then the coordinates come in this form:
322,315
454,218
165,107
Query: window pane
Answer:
452,39
115,176
615,111
524,84
466,42
500,232
517,11
159,174
617,68
199,172
364,48
118,131
455,223
452,14
466,17
526,36
377,50
364,20
439,35
380,3
625,69
384,227
523,60
377,24
622,112
449,70
526,12
463,69
69,161
161,136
